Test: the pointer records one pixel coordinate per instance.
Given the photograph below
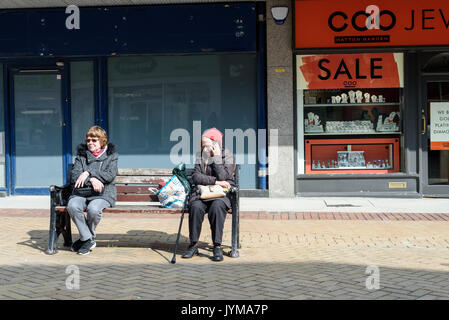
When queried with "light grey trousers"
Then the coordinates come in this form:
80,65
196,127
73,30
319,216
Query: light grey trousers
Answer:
86,224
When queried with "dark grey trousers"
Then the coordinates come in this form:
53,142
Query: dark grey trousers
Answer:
216,213
86,224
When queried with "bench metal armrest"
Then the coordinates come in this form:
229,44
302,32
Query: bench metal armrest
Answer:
58,193
57,188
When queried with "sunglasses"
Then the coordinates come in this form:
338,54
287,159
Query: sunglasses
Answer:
91,139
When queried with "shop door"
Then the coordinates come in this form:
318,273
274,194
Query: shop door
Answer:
435,136
36,130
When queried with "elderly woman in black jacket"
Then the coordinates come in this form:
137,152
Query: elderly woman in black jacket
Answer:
214,165
95,165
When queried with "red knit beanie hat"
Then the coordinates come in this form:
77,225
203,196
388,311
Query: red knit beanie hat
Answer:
214,134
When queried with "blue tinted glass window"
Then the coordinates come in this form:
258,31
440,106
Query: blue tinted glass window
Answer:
82,102
2,133
150,97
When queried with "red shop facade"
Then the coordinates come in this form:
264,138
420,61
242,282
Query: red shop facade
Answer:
372,98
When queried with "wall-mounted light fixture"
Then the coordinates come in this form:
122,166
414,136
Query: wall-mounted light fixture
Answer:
279,14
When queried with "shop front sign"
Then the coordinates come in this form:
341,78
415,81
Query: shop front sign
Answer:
339,71
338,24
439,126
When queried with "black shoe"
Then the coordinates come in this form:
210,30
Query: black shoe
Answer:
218,254
191,251
77,245
87,247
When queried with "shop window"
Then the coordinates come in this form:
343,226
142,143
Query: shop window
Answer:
37,130
349,127
82,101
150,97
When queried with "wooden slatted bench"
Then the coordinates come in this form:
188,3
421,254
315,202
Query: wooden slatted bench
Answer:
134,186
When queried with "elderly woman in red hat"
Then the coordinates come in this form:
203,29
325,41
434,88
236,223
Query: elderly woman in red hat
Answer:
214,165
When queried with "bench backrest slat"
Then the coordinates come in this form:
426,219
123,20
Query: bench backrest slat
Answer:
139,189
137,198
150,180
140,184
144,172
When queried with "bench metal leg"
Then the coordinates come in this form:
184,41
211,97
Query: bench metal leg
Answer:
59,223
235,229
239,246
237,204
66,229
234,252
52,237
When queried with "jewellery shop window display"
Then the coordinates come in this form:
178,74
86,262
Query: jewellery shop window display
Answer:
352,131
350,111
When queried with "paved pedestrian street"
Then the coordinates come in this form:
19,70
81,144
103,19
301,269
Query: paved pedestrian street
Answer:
279,259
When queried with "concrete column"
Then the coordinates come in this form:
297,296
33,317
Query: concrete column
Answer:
280,101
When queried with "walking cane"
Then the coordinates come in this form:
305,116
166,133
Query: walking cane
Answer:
173,260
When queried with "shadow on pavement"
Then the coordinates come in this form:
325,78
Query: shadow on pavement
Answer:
155,240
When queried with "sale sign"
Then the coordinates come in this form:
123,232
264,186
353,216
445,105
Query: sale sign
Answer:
363,23
439,126
344,71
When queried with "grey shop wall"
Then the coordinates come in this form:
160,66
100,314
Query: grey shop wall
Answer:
396,185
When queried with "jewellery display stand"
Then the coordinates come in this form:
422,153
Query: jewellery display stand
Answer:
352,156
367,111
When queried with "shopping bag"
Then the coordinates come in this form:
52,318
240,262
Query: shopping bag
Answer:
180,172
172,194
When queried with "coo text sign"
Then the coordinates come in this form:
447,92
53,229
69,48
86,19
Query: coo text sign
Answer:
345,23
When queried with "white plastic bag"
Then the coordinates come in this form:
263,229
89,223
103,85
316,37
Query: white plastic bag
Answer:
172,194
